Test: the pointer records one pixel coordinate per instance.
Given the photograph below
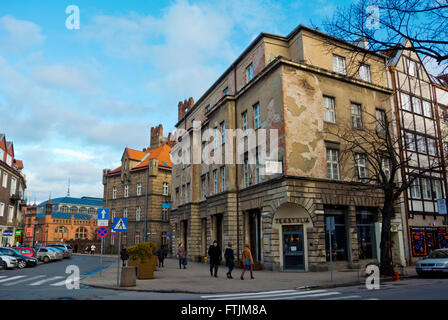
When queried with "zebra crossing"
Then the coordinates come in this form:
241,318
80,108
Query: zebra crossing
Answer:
32,280
320,294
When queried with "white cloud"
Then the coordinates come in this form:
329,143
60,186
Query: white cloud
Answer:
73,154
18,34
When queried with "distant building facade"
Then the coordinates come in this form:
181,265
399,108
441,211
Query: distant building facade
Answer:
61,220
140,190
12,191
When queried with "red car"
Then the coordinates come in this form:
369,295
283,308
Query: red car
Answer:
26,251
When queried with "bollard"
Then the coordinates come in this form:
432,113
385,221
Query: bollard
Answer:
397,273
205,260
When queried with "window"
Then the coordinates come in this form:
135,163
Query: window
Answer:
426,189
361,166
245,124
74,210
113,214
339,64
215,181
432,149
385,164
92,210
9,160
126,190
125,212
114,193
356,116
5,180
412,68
338,237
409,141
83,210
381,122
207,108
249,73
246,171
333,164
2,154
177,196
223,132
226,91
223,178
216,137
165,188
417,103
13,185
257,119
406,102
364,72
421,144
10,213
329,110
81,233
188,192
365,227
139,189
436,189
415,189
2,209
204,187
427,109
137,214
165,214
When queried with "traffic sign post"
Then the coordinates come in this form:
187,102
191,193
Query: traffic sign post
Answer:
120,225
102,232
330,229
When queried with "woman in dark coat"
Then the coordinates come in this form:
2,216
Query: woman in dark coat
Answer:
124,255
230,258
181,255
215,257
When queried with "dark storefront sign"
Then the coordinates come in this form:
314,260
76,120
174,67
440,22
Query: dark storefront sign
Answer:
426,239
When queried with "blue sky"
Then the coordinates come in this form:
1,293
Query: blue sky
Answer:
72,100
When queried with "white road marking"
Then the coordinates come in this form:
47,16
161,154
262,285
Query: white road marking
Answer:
343,298
12,278
45,280
247,294
271,295
308,296
23,280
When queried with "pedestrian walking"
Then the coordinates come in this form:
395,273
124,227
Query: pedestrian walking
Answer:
161,254
230,260
215,258
181,255
248,262
124,256
92,249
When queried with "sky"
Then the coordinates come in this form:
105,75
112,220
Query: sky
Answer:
72,100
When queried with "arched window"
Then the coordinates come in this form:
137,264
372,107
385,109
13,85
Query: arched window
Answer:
92,211
81,233
73,210
83,210
64,209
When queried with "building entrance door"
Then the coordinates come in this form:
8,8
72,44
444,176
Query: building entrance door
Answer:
293,249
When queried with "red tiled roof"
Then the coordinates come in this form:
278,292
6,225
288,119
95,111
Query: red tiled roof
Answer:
116,170
161,153
19,163
135,154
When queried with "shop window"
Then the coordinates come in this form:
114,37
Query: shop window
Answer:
365,227
338,237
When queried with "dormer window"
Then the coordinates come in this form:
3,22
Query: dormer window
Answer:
249,73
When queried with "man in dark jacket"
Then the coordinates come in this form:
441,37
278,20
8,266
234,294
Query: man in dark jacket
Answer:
215,258
230,258
161,253
124,255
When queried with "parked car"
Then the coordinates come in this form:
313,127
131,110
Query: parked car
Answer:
8,262
59,251
47,254
26,251
22,261
68,249
435,263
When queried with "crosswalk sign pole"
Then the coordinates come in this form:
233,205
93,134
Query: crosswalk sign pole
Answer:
118,260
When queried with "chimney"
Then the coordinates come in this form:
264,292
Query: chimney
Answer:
184,107
362,43
156,136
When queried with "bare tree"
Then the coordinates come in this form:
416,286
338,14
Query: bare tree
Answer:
374,154
385,23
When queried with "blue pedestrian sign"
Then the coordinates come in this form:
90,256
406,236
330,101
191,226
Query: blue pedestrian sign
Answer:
103,214
120,224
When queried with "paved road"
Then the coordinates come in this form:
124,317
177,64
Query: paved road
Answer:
47,281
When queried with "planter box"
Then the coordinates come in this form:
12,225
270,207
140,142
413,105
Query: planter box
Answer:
128,277
146,270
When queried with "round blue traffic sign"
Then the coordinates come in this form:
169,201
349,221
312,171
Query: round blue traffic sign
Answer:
102,232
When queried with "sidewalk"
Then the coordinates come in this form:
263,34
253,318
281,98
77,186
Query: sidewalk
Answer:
196,279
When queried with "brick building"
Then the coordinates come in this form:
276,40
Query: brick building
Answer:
62,220
301,85
139,190
12,188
